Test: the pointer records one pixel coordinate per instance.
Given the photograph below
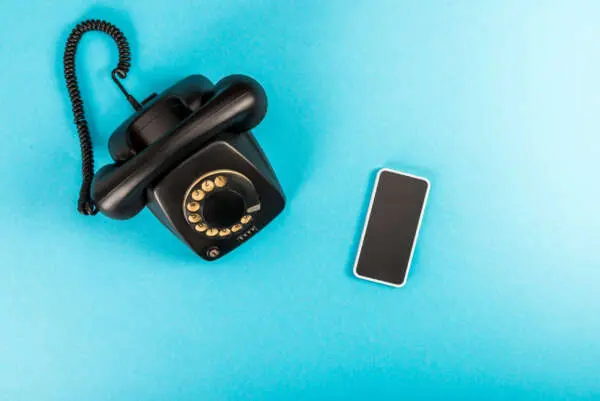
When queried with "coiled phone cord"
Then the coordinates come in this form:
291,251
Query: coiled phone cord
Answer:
85,204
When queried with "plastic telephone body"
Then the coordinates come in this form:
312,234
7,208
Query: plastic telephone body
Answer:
189,156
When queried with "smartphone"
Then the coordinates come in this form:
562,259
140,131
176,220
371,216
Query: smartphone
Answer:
391,228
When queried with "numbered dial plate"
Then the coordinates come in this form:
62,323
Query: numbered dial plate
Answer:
220,204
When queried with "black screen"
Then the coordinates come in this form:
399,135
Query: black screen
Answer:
391,228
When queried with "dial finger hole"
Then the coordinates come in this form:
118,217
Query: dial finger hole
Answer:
201,227
193,206
220,181
198,195
194,218
208,186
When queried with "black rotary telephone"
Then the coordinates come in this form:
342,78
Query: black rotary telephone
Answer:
187,154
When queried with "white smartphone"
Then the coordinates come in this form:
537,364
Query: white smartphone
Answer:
391,228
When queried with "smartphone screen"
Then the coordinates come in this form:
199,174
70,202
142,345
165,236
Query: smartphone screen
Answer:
391,228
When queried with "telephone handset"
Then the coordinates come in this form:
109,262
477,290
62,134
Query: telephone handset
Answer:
187,154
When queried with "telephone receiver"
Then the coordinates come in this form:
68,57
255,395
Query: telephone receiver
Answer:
239,104
187,154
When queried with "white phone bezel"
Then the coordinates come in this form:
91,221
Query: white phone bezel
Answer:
374,192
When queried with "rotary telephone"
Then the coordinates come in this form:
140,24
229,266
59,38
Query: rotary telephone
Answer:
187,154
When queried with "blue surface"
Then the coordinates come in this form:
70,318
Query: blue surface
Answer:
496,102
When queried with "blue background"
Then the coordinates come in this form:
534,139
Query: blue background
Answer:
496,102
